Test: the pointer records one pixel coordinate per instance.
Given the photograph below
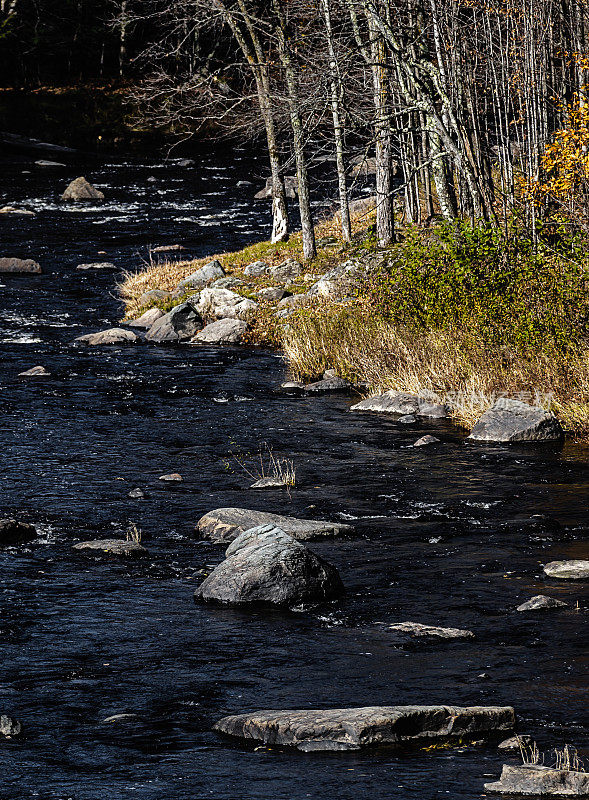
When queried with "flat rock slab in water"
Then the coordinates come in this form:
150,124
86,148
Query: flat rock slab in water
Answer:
393,402
577,570
223,524
416,629
14,532
514,421
270,483
104,265
11,211
18,265
35,372
110,336
533,779
266,565
353,728
112,547
540,602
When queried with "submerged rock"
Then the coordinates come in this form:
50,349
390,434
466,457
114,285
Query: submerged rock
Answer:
534,779
110,336
35,372
173,477
425,440
353,728
11,211
270,483
225,524
9,727
329,384
539,602
431,631
202,276
266,565
14,532
514,421
80,190
101,265
178,325
26,265
222,331
515,743
112,547
147,319
576,570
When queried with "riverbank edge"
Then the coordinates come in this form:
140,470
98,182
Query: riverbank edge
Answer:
335,330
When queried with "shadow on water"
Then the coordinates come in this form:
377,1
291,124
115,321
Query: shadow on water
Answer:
454,535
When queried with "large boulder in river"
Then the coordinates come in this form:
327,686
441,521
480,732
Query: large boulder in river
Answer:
223,303
222,331
202,276
110,336
513,421
576,570
224,524
353,728
266,565
80,190
537,780
393,402
14,532
20,265
178,325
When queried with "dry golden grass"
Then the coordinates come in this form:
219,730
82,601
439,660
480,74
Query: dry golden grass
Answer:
455,366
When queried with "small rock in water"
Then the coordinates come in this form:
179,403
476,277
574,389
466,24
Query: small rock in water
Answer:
537,780
152,179
137,494
293,386
513,421
417,629
120,718
35,372
407,419
425,440
541,601
167,248
577,570
269,483
178,325
112,547
9,726
104,265
80,190
514,743
17,265
173,476
11,211
328,385
43,163
14,532
110,336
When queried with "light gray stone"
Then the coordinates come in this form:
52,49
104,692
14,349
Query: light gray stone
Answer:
540,602
407,419
513,421
286,271
575,570
416,629
178,325
11,211
147,319
515,743
222,331
168,248
120,718
35,372
394,402
266,565
202,276
137,494
354,728
9,727
426,440
110,336
153,295
43,163
269,483
26,265
228,282
328,385
111,547
223,303
271,294
533,779
101,265
256,269
224,524
173,477
80,190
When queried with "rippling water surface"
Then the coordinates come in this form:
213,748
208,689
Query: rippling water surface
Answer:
453,535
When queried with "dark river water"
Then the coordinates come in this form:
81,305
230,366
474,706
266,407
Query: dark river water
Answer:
453,535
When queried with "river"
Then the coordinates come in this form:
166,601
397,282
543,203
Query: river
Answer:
453,535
